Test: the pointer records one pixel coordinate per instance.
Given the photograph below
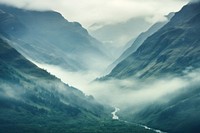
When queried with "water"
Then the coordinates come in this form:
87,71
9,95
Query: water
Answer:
115,117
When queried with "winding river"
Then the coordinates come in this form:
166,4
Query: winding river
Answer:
115,117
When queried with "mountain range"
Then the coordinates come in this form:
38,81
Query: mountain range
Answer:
114,36
172,51
136,43
69,44
33,100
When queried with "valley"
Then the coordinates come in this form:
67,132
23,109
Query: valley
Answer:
57,77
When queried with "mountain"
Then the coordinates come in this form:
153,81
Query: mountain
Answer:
173,49
136,43
179,115
48,38
32,100
114,36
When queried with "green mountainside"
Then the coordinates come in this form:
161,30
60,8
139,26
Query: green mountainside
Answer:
173,49
32,100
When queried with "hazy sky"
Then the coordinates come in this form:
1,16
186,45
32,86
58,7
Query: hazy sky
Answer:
88,12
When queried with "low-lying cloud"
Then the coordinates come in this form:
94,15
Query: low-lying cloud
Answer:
104,11
137,94
128,92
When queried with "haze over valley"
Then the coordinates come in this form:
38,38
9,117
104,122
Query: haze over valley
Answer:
100,66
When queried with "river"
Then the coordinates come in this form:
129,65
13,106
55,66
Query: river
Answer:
115,117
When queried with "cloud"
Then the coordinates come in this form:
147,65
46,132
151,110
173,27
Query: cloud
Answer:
131,92
138,94
79,79
103,11
115,92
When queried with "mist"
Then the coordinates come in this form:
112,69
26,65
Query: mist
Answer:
125,93
27,87
126,19
139,93
103,11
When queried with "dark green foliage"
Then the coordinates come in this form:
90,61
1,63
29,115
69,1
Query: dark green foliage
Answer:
33,101
40,122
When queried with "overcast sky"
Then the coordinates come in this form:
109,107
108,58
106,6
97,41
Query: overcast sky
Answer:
88,12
